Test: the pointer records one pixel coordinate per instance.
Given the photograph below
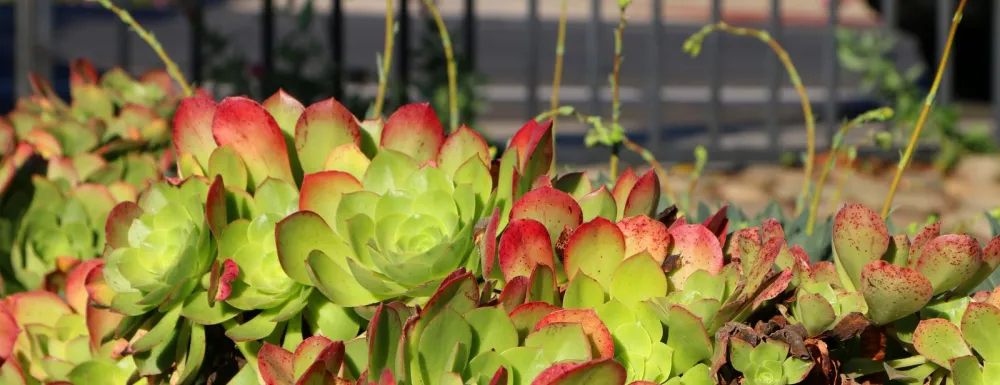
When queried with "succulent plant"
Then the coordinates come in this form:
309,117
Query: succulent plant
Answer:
101,148
50,339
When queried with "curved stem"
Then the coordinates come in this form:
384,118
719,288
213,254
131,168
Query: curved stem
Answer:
924,112
694,45
383,78
557,76
153,43
616,103
452,71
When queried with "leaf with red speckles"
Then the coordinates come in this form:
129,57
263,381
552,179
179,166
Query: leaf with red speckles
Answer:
459,147
605,371
576,184
596,248
322,127
275,365
542,286
622,190
255,136
597,332
415,130
893,292
524,244
771,229
979,327
193,129
527,315
860,236
552,208
755,274
119,220
925,235
825,271
322,191
488,243
949,260
939,341
599,203
643,233
777,286
898,252
698,248
513,293
747,245
644,196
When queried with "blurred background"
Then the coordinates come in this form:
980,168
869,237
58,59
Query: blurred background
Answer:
735,98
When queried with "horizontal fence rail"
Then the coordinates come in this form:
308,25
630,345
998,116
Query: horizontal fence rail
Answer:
656,94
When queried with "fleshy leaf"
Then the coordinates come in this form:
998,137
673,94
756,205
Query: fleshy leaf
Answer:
275,365
644,196
600,338
576,184
322,192
254,135
524,244
979,327
348,158
939,341
599,203
643,233
285,109
553,208
698,248
637,279
119,221
324,126
193,129
459,147
949,260
893,292
623,188
925,235
595,249
415,130
860,236
605,371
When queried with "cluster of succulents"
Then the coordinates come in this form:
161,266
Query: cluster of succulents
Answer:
301,245
63,166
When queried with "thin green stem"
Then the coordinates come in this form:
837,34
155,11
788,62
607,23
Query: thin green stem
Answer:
452,71
693,45
557,76
880,114
616,103
383,78
905,160
852,154
152,42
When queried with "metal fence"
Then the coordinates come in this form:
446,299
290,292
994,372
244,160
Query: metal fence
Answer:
29,33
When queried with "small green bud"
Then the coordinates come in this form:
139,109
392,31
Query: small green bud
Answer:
624,3
883,140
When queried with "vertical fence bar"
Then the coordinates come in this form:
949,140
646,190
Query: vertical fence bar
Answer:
403,44
653,81
593,55
24,45
197,22
44,47
470,35
532,61
832,68
995,99
336,31
267,46
124,40
715,63
945,12
775,80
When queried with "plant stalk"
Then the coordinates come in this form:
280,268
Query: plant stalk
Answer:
905,160
126,18
557,76
452,71
694,45
616,103
383,79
